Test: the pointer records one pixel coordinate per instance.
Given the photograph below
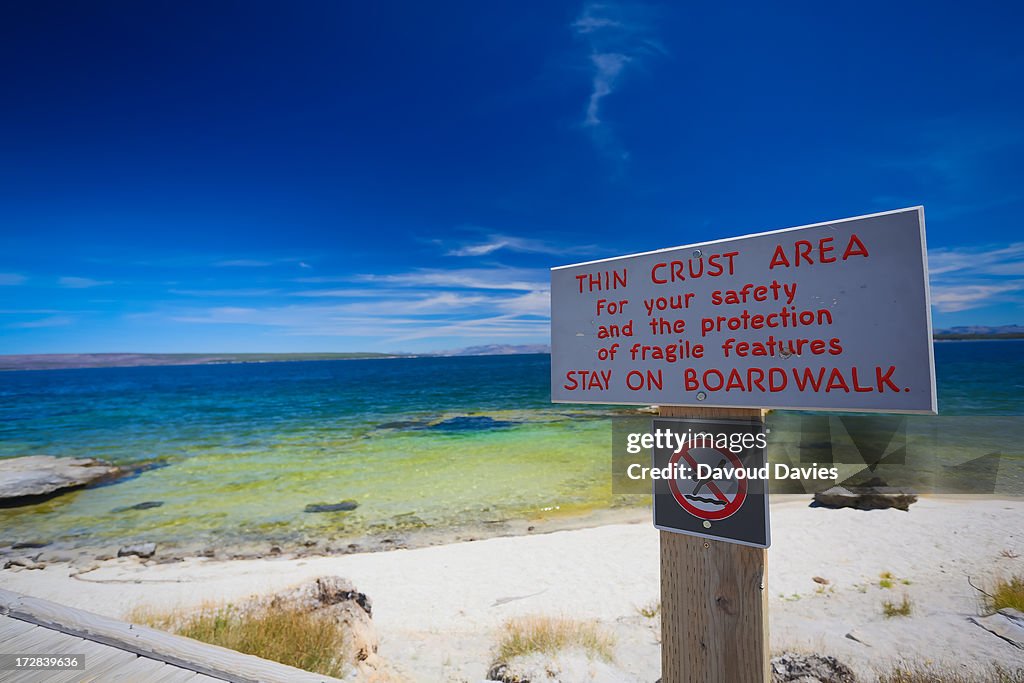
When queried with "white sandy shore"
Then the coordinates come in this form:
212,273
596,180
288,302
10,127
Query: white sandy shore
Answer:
439,609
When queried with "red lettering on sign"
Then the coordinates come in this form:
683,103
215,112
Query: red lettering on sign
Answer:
855,248
803,252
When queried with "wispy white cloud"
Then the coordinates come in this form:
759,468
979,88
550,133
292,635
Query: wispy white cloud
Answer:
981,260
588,22
952,299
501,278
225,293
29,311
534,303
490,304
243,263
80,282
607,68
10,279
393,321
50,321
617,35
498,242
262,262
347,293
964,278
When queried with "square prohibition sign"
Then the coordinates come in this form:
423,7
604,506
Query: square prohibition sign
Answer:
716,487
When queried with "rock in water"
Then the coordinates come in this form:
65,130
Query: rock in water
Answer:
470,423
871,495
145,505
27,545
798,668
25,480
143,550
343,506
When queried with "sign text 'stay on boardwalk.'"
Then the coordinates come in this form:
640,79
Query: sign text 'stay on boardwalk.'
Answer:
831,316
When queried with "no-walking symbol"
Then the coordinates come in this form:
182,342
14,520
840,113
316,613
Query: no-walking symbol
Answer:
715,503
716,486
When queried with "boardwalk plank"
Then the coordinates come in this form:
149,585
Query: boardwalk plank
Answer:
10,628
31,642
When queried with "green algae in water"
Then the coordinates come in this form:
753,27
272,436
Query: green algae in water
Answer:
249,447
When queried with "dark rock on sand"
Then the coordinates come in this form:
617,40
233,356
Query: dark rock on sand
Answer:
801,668
145,505
36,478
573,664
343,506
872,495
339,599
24,563
143,550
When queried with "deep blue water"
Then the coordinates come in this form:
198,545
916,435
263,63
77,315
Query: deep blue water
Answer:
141,413
128,414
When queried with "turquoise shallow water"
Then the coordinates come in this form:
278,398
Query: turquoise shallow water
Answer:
419,442
424,442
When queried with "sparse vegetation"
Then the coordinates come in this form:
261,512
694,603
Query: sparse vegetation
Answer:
1005,592
888,580
650,610
901,609
289,635
548,635
920,673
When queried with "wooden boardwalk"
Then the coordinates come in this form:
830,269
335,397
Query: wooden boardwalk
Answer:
117,651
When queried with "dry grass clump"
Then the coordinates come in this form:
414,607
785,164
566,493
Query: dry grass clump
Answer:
650,610
901,609
921,673
549,635
1005,593
287,634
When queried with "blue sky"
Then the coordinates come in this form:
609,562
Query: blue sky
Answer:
329,176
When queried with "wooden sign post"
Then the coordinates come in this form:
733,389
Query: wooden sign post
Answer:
714,599
830,316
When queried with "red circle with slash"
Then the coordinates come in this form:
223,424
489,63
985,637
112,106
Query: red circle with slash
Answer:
730,503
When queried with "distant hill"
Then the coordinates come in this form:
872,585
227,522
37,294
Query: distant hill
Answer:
981,332
61,361
67,361
496,350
